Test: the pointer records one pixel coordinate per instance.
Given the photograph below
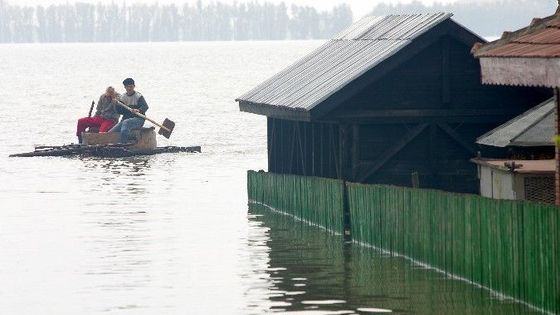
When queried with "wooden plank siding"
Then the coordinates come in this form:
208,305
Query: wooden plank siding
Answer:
424,117
302,148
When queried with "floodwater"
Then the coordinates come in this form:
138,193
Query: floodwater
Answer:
172,234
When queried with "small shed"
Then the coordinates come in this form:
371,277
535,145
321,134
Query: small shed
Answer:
527,57
389,97
531,180
528,174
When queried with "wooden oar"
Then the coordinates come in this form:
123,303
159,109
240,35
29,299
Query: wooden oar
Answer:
91,108
165,129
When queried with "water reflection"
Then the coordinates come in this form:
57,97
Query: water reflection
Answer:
126,177
131,166
117,228
318,274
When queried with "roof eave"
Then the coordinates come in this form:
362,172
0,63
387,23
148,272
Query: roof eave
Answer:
526,71
274,111
530,144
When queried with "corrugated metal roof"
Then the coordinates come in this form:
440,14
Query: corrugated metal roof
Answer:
540,134
532,128
541,39
341,60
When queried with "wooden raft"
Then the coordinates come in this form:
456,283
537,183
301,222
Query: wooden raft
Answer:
106,145
109,150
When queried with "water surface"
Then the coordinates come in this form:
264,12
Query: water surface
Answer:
171,234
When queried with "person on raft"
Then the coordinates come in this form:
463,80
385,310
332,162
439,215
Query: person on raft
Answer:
106,114
135,101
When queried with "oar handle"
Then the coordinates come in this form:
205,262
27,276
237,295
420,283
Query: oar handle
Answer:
142,116
91,108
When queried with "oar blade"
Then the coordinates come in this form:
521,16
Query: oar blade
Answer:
170,125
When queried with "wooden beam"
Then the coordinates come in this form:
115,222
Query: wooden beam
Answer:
333,151
345,151
329,165
280,158
321,149
445,75
423,113
458,138
494,120
302,156
292,147
313,144
557,155
392,151
434,152
355,150
270,142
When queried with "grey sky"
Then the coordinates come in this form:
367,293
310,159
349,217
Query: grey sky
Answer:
359,7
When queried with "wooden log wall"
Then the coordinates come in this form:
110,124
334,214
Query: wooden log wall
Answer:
302,148
374,153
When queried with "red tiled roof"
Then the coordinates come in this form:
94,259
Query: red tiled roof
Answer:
524,50
540,39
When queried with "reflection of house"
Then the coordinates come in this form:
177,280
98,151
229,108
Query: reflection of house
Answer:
529,175
389,97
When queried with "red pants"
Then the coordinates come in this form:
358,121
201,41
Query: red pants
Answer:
103,124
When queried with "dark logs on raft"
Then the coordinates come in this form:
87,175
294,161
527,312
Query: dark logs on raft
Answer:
109,150
105,145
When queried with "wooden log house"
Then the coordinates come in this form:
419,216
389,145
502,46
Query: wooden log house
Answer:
389,99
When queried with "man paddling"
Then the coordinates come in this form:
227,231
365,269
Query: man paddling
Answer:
106,115
135,101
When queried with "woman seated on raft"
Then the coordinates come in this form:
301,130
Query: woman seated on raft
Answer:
106,114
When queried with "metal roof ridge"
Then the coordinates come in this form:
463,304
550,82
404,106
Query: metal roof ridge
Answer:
443,17
369,39
369,22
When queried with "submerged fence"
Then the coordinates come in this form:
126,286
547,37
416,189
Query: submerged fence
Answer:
314,200
510,247
507,246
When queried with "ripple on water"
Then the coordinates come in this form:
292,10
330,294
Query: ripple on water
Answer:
373,310
323,302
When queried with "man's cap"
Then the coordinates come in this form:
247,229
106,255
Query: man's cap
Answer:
128,81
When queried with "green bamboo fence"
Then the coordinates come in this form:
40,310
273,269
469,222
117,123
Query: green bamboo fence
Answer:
510,247
318,201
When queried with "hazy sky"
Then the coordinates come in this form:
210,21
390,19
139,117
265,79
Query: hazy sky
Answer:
359,7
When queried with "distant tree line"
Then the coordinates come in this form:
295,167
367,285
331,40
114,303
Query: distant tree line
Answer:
83,22
484,18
